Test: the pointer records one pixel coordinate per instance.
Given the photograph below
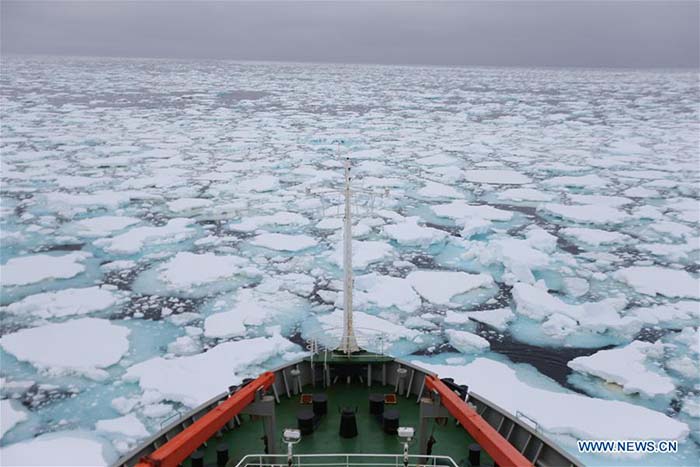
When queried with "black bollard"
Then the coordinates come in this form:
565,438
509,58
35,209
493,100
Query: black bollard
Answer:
197,459
221,455
474,455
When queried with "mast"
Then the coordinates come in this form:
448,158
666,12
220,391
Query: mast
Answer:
348,343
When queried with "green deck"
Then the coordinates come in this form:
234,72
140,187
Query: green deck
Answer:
452,440
338,358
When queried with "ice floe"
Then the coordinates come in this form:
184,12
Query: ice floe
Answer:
383,292
369,326
497,318
284,242
582,181
69,448
70,204
600,200
282,218
586,213
128,425
653,280
189,204
440,287
30,269
466,341
462,211
194,379
259,183
410,232
100,226
560,319
11,413
85,346
673,229
562,412
364,253
254,307
438,191
524,194
135,239
518,256
593,237
67,302
629,367
498,177
192,274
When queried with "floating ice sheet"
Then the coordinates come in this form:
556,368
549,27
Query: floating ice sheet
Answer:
194,379
562,412
30,269
440,286
653,280
67,302
84,346
628,367
11,413
69,448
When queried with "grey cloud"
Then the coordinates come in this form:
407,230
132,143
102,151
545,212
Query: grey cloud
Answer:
517,33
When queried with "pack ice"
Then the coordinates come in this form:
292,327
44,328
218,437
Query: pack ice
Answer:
163,238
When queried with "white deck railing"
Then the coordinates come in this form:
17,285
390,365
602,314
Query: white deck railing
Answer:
328,339
343,460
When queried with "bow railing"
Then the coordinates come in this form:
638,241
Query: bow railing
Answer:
343,460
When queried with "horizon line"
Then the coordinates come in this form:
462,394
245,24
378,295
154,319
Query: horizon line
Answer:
369,63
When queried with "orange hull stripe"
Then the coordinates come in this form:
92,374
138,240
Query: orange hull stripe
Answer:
187,441
500,450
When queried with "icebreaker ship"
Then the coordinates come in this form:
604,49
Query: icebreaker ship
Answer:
348,403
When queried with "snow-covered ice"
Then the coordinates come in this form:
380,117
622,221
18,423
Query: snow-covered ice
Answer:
497,318
438,190
585,181
586,213
441,286
499,177
254,307
195,379
368,325
562,412
284,242
30,269
410,232
100,226
466,341
364,253
461,210
384,292
652,280
84,346
67,302
11,413
186,270
627,367
524,194
283,218
128,425
133,240
593,237
72,449
189,204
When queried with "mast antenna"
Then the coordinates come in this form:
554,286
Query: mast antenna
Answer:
348,343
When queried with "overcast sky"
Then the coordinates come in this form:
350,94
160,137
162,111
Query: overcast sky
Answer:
514,33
